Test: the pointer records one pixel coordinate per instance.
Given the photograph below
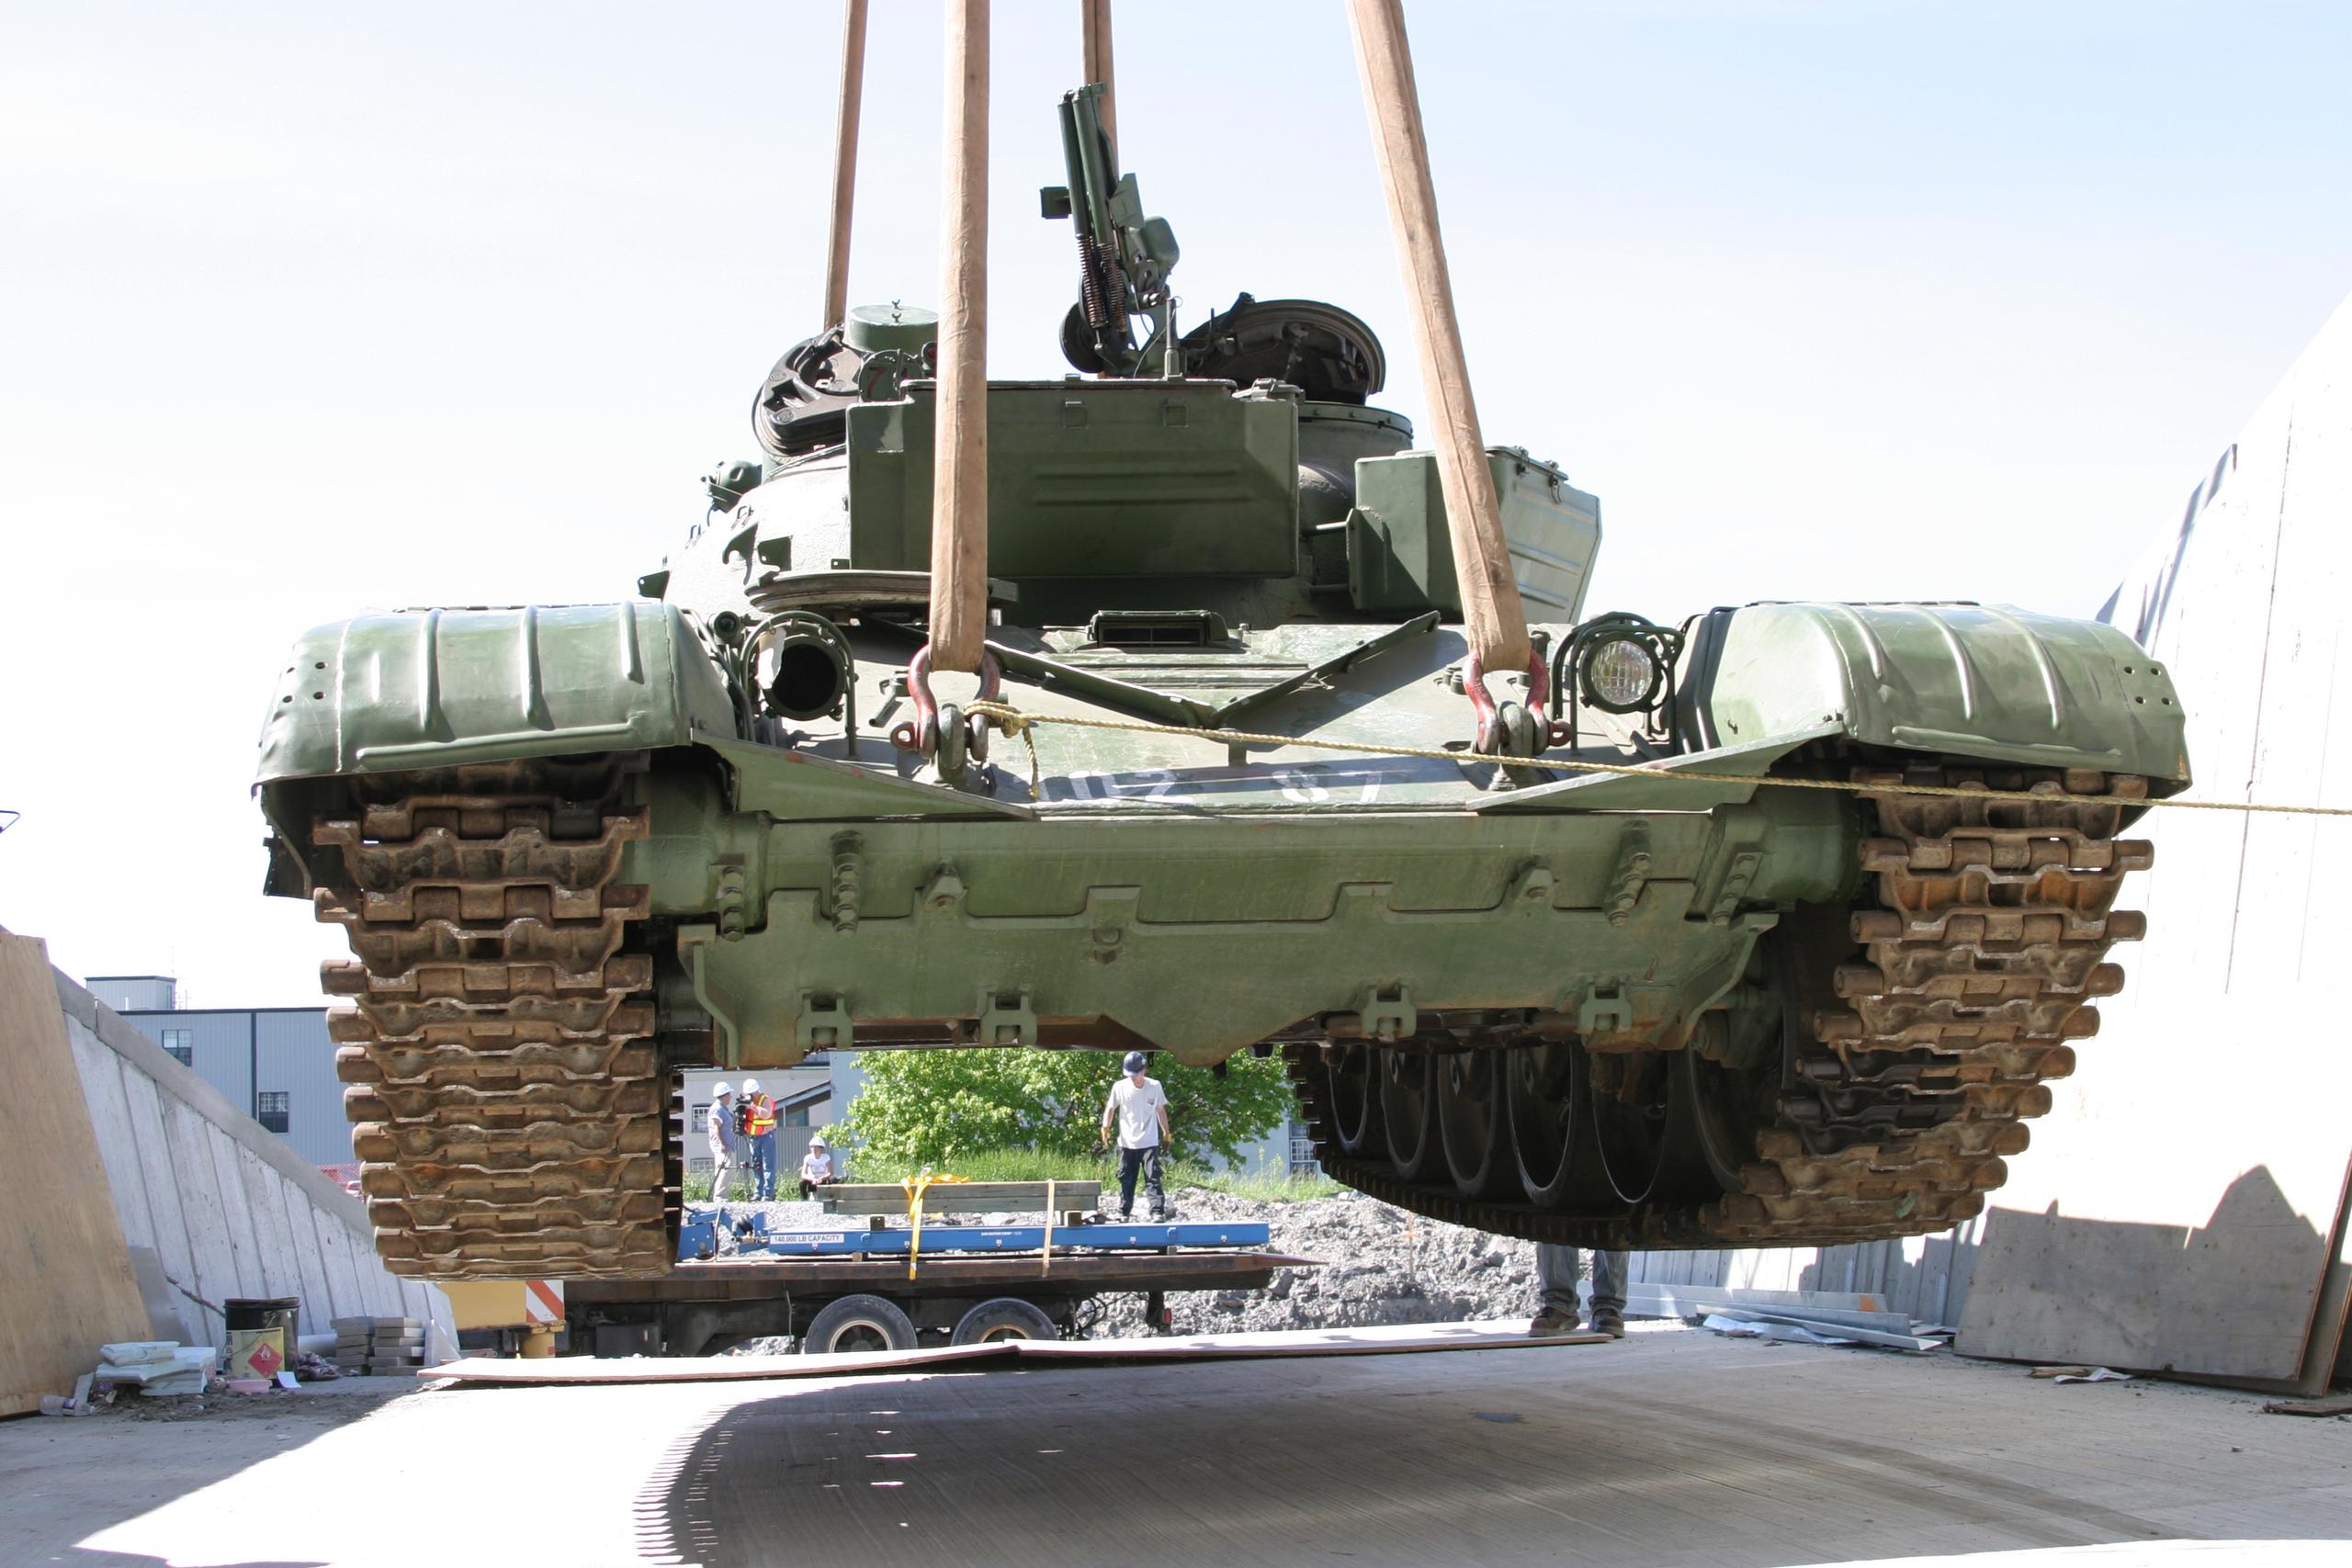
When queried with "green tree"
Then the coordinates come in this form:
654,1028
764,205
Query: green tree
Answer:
927,1107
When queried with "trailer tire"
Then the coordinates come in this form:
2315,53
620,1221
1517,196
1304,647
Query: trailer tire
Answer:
858,1324
1003,1317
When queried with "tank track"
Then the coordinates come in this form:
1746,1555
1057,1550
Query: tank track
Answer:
1978,960
511,1108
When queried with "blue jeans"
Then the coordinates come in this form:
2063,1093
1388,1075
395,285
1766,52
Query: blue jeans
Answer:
1555,1276
763,1167
1146,1161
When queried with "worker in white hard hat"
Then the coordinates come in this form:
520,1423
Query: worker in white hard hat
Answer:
816,1167
725,1148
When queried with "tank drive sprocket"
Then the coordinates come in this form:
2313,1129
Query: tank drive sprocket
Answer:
1972,967
511,1108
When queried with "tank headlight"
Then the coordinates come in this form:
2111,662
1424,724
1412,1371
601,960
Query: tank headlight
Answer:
1620,674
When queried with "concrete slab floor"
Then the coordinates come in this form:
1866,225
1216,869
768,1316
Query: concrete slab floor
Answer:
1670,1447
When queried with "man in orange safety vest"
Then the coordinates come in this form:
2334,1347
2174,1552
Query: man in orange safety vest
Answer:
758,1113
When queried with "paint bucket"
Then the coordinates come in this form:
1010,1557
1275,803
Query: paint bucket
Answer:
263,1334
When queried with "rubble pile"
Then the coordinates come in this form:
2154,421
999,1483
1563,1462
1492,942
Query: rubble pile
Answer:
1380,1265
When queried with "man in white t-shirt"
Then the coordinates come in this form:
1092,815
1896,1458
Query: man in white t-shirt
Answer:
1139,1107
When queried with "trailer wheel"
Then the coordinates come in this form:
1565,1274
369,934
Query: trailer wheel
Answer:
1006,1317
858,1323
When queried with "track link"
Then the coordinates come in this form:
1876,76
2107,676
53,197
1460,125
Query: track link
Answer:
511,1110
1979,958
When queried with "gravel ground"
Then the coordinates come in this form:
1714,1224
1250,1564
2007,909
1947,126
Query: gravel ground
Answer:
1379,1265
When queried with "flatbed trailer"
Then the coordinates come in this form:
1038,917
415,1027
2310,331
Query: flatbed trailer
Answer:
884,1300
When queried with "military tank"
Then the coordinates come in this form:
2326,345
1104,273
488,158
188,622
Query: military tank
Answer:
1769,925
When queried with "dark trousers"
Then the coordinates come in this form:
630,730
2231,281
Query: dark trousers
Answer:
1147,1161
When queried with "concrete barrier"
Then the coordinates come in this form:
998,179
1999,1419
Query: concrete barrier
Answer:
227,1207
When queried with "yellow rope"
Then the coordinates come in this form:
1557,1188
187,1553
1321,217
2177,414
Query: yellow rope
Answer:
1012,721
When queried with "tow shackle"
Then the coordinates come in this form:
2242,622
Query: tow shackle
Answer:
1490,737
945,733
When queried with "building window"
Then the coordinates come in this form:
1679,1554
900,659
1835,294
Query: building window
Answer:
271,1109
797,1117
181,1043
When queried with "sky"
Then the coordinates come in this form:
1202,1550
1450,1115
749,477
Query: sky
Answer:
305,309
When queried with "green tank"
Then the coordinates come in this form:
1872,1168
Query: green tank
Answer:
735,820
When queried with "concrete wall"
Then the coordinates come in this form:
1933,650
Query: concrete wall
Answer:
226,1206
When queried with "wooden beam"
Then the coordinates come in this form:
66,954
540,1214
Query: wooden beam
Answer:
1493,619
1097,15
845,161
959,489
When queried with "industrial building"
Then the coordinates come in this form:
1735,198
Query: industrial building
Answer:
276,1064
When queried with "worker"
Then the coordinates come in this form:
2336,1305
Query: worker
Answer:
757,1118
816,1167
1557,1269
1139,1107
725,1152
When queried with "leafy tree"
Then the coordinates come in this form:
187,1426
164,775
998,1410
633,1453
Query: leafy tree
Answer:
927,1107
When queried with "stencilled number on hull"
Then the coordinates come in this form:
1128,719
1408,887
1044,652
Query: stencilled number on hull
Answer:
1310,784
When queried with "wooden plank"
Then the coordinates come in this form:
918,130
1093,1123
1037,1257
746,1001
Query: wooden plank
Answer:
853,90
66,1285
1283,1344
1494,622
959,493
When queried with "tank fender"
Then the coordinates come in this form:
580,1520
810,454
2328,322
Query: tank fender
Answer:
1964,679
393,691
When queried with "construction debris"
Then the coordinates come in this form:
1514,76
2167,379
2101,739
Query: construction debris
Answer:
374,1347
160,1368
1817,1326
2079,1374
2333,1405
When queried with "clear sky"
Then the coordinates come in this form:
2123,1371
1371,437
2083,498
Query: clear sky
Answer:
305,309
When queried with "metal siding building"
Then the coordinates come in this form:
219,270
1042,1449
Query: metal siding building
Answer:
254,1055
275,1064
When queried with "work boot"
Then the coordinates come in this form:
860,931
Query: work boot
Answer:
1609,1321
1551,1321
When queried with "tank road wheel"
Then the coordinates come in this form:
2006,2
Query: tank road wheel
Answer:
1005,1317
1474,1123
1407,1107
854,1323
1547,1091
1352,1075
1729,1107
1634,1104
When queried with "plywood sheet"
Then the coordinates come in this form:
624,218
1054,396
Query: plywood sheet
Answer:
2179,1208
1390,1341
66,1284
